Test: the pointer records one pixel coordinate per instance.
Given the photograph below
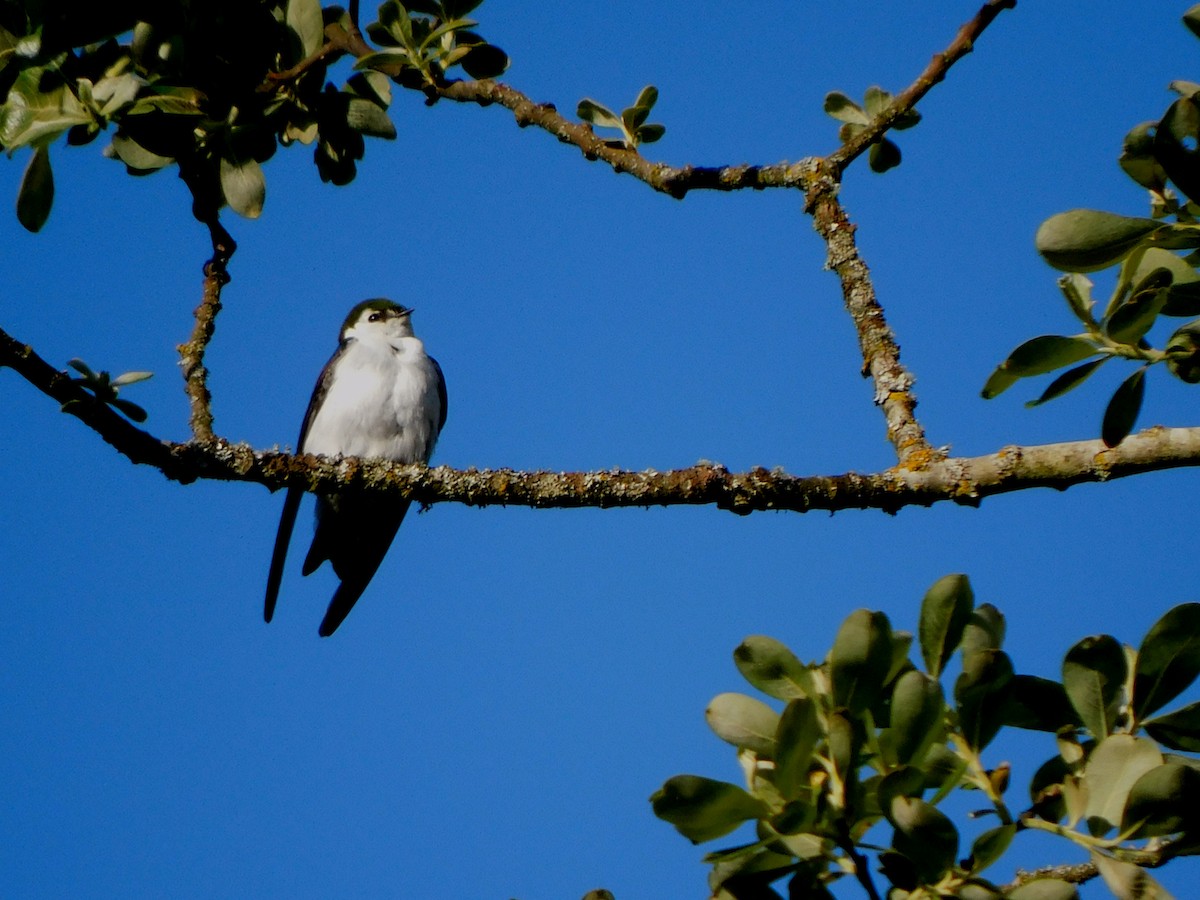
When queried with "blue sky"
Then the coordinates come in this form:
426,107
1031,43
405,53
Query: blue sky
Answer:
491,719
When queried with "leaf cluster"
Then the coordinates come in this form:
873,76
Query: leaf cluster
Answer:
105,389
632,124
867,738
884,154
214,87
1155,260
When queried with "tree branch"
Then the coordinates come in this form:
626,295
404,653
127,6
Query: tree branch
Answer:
962,480
880,353
963,43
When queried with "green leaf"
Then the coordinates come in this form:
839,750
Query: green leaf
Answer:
1068,380
772,668
918,708
1179,730
1132,319
36,195
1044,889
1183,295
925,836
998,382
989,847
702,809
1047,352
1039,704
860,659
647,97
844,109
743,722
876,101
131,378
135,156
985,630
981,695
1113,767
368,117
1077,289
591,111
244,186
945,610
1094,674
1084,240
1168,660
1164,801
796,739
1121,414
304,18
1127,881
1138,161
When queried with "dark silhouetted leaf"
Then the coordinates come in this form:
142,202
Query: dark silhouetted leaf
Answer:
1163,801
985,630
485,61
981,694
883,155
1039,704
1179,730
1068,380
1168,659
925,836
1175,145
1121,414
1048,352
36,195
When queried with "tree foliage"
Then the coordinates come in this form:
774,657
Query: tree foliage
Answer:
866,740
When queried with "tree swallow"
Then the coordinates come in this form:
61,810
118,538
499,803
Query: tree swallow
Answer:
380,396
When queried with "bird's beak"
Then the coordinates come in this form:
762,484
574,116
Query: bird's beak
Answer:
404,311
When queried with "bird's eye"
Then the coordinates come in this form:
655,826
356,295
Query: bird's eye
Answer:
374,317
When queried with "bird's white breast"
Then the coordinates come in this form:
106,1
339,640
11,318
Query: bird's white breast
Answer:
382,402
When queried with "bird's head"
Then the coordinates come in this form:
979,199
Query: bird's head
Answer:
377,320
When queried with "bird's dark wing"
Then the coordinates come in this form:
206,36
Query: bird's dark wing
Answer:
354,531
291,503
441,388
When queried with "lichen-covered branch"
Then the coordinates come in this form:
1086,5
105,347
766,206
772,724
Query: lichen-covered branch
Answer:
880,353
191,353
963,480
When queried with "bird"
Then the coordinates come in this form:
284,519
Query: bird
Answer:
380,396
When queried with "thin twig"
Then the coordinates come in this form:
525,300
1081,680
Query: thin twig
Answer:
880,352
191,353
1077,873
963,43
962,480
